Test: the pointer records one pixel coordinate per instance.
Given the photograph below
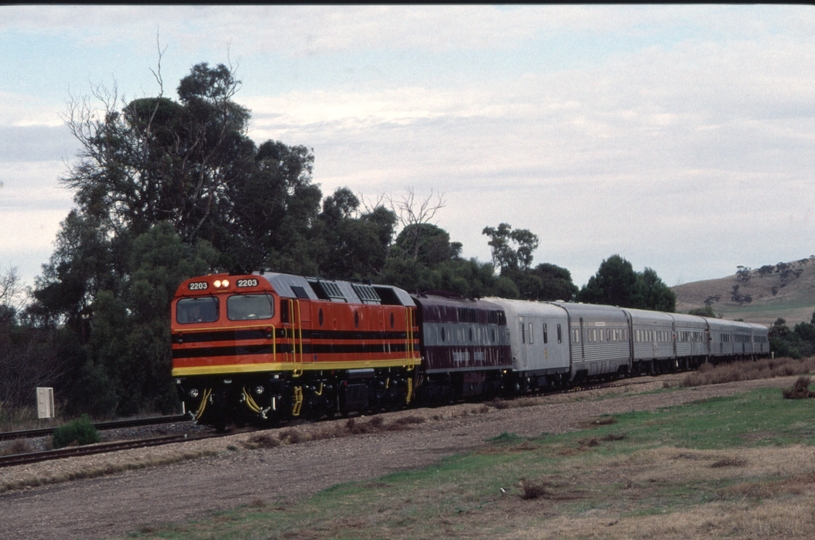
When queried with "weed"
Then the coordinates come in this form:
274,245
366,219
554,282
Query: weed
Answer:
799,390
728,462
498,403
532,490
291,436
17,446
263,440
404,422
80,431
505,438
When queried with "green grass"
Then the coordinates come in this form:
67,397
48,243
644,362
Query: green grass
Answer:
616,468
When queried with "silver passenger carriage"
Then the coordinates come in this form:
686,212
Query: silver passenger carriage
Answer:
720,341
652,334
691,343
539,338
760,340
599,339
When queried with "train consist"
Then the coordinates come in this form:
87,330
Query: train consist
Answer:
269,347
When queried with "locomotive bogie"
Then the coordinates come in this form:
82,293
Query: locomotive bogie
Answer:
272,398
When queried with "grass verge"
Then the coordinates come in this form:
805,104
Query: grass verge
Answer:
734,467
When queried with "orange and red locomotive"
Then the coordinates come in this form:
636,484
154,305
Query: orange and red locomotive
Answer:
274,346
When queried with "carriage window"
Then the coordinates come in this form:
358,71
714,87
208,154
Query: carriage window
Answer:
523,334
531,335
249,307
559,335
196,310
545,334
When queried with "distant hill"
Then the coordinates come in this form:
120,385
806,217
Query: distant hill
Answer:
762,295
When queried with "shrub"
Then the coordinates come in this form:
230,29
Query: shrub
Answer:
799,390
82,431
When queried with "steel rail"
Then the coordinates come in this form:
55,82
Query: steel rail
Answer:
73,451
114,424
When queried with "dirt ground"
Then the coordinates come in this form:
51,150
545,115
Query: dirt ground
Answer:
116,504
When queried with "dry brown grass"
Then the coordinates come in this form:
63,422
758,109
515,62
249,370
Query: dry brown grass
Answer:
769,494
333,430
516,403
17,446
59,476
747,371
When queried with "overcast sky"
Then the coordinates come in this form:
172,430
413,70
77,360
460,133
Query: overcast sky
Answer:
680,137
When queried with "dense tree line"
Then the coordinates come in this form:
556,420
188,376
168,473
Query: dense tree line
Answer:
798,342
617,284
169,189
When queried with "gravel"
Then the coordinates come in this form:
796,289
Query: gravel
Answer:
192,480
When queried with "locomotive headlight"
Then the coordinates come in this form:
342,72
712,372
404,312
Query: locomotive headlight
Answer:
217,283
221,283
259,390
193,393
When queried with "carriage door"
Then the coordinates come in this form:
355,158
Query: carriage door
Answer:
582,346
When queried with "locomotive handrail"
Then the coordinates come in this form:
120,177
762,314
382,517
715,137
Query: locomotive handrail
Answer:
297,324
409,345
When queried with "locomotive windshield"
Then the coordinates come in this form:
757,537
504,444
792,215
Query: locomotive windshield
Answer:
195,310
249,307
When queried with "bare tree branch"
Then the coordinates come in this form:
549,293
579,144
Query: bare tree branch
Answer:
412,213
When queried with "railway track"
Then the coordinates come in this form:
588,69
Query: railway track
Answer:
101,448
115,424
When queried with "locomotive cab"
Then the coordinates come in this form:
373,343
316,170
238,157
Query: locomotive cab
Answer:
224,328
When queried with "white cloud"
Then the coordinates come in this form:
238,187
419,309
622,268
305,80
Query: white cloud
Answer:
314,30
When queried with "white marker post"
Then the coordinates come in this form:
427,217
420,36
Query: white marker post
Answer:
45,402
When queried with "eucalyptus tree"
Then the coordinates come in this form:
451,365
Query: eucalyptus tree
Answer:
164,189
